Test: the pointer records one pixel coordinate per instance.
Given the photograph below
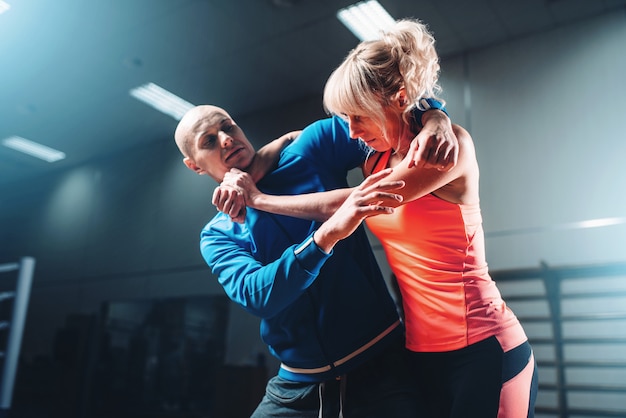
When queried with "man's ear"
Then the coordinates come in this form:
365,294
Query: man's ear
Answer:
192,165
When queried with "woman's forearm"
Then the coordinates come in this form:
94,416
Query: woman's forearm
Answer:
314,206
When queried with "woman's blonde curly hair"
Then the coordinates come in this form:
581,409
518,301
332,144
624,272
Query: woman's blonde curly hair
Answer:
372,74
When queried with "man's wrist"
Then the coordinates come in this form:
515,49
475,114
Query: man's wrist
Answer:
425,105
323,241
434,114
426,108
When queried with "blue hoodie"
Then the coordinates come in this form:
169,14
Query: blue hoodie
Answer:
321,314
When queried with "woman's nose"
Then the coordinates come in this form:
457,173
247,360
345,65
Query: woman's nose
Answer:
355,129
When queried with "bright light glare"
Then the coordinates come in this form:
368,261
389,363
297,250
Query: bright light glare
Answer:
162,100
33,149
366,19
596,223
4,6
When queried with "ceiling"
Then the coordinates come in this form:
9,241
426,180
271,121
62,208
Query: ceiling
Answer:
66,66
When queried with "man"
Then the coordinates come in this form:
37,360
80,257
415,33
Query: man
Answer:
325,310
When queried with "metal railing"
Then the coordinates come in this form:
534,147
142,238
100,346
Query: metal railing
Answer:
14,325
575,318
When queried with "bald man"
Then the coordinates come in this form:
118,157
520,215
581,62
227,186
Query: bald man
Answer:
325,310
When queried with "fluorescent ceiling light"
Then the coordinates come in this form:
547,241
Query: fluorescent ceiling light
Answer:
366,19
4,6
162,100
33,148
595,223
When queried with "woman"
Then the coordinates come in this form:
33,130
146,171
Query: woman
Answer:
469,352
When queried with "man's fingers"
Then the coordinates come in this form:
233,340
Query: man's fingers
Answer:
443,157
433,149
446,160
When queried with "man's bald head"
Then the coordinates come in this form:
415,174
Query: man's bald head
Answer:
212,143
188,125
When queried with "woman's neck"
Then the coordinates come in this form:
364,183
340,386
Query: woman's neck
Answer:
406,135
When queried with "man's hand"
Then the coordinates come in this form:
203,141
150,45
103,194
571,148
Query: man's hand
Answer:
372,197
435,146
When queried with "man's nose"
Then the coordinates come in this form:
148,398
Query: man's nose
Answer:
225,139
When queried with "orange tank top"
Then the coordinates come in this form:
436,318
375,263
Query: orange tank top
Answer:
436,250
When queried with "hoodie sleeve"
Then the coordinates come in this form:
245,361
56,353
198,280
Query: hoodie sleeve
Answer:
262,290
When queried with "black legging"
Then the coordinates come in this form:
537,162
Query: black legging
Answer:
467,383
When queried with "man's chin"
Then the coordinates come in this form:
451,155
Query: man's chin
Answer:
239,161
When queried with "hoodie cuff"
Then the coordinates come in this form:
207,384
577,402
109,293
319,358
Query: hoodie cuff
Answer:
310,256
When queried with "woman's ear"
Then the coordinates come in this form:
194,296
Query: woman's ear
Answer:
401,98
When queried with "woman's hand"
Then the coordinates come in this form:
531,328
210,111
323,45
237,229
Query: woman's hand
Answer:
236,191
372,197
230,200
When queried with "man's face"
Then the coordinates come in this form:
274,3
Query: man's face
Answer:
217,144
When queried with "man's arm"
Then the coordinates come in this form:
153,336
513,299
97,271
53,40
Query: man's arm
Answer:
320,206
266,289
261,289
267,156
439,146
436,145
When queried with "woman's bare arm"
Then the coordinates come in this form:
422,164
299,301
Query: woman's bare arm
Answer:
314,206
457,185
320,206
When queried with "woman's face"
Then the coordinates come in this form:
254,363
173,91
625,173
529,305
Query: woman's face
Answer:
371,133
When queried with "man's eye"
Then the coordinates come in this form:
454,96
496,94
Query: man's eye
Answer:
228,128
209,141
